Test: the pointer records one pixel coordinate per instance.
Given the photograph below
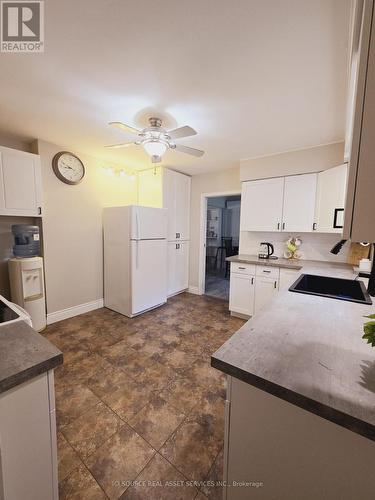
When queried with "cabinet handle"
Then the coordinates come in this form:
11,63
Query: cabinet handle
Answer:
278,226
336,213
178,235
314,226
39,210
265,271
283,225
252,281
177,246
242,268
275,284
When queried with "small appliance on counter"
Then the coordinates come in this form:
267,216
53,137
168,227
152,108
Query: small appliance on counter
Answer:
266,251
27,288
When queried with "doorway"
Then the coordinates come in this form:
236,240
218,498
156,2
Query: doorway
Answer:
222,233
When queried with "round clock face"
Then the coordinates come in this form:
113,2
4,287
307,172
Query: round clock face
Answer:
68,167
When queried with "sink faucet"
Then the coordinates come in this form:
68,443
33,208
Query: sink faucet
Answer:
371,282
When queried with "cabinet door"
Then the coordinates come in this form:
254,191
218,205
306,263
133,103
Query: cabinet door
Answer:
299,203
27,450
169,201
265,289
171,269
262,204
182,187
178,267
20,183
182,266
287,278
241,294
330,199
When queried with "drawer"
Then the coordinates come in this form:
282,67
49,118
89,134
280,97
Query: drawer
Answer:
267,271
238,268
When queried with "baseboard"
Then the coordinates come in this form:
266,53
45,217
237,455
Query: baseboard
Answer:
70,312
194,289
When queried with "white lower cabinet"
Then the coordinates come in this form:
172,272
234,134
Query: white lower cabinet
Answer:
28,454
265,289
178,266
241,294
251,287
287,278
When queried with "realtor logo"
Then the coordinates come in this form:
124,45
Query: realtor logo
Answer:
22,26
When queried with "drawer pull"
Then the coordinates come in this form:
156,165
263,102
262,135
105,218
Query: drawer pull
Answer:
265,271
241,267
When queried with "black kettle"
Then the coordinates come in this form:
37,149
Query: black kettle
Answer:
266,250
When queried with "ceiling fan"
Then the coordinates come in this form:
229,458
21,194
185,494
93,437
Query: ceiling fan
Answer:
155,140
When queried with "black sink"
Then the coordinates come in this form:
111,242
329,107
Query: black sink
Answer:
334,288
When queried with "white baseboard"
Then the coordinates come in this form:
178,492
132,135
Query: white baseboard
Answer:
194,289
70,312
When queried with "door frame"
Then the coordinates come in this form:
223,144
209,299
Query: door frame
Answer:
202,234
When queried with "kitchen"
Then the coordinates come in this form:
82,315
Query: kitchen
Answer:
138,385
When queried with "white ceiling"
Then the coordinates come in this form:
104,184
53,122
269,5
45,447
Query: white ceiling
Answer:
251,77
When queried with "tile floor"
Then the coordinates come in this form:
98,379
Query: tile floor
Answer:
137,400
217,286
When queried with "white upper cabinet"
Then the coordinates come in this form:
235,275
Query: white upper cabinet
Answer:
176,198
330,199
299,203
20,183
295,204
262,204
183,183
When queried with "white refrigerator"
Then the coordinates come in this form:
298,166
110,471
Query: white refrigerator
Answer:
135,258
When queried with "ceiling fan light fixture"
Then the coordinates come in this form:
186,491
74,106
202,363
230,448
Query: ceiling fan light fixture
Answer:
155,147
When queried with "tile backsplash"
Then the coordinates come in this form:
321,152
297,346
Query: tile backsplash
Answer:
315,246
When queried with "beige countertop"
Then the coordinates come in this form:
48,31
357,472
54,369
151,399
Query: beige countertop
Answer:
24,354
308,350
254,259
311,266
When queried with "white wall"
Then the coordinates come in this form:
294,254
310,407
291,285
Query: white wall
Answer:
216,182
300,161
315,246
72,229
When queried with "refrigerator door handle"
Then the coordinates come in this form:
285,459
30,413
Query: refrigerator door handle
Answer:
136,254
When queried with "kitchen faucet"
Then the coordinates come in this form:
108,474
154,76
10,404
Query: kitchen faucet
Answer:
371,282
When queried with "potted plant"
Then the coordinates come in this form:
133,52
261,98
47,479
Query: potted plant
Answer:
369,329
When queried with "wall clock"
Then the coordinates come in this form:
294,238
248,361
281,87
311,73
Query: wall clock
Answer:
68,167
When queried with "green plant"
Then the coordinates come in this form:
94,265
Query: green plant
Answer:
369,329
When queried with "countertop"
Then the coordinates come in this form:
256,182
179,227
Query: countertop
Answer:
24,354
308,351
254,259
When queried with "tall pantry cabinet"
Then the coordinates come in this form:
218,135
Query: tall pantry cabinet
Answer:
165,188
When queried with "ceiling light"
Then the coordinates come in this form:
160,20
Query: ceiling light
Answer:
122,173
154,148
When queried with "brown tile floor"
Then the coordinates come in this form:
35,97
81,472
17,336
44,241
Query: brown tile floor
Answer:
140,411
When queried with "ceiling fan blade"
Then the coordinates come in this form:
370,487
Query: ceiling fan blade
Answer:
121,145
125,128
177,133
189,151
